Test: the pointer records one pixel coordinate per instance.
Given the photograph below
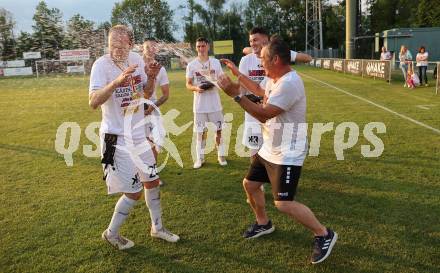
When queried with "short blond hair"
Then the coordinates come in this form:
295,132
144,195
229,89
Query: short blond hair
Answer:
122,29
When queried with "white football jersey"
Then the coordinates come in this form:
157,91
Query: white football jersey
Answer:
198,72
125,100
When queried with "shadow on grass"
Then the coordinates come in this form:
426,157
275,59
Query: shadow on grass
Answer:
49,154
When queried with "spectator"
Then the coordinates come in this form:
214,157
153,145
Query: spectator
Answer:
422,64
412,78
405,58
385,55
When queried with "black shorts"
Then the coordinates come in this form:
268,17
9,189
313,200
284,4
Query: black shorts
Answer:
283,178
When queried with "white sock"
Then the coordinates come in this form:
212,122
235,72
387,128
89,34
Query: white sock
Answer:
122,209
152,199
199,144
221,149
204,136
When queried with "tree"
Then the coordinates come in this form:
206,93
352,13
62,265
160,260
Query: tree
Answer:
189,26
25,42
387,14
48,31
333,25
428,14
231,27
211,15
78,33
147,18
7,43
263,13
291,22
204,21
214,23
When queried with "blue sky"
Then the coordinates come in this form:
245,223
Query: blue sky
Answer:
95,10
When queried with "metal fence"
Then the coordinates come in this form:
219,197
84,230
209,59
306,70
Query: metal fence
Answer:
325,53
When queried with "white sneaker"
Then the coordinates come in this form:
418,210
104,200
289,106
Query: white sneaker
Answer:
404,85
118,241
166,235
222,161
198,164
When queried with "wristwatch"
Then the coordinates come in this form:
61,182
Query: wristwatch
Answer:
238,98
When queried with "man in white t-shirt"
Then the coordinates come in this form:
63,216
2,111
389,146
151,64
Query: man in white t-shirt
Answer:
160,82
385,55
250,67
201,77
118,81
280,159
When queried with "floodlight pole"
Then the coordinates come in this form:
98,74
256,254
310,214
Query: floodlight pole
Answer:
314,40
350,28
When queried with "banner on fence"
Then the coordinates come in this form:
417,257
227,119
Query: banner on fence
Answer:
15,63
327,63
318,63
377,69
75,55
353,67
31,55
338,65
17,71
370,68
76,69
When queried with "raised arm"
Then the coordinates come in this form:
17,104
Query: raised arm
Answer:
151,70
247,50
100,96
302,58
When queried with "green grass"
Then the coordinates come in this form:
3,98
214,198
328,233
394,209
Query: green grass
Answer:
386,210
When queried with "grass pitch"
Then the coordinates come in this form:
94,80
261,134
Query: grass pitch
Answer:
386,210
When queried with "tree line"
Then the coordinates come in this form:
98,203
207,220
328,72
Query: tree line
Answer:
214,19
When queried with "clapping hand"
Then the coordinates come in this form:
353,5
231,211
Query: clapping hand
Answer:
228,86
126,74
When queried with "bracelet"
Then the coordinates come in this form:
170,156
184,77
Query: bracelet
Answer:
238,98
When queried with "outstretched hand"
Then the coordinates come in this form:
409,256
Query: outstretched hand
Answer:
231,66
228,86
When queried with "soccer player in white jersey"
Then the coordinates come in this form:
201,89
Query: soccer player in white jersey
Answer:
280,159
251,68
118,81
201,75
160,82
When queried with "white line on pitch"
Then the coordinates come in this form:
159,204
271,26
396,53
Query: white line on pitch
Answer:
375,104
426,106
